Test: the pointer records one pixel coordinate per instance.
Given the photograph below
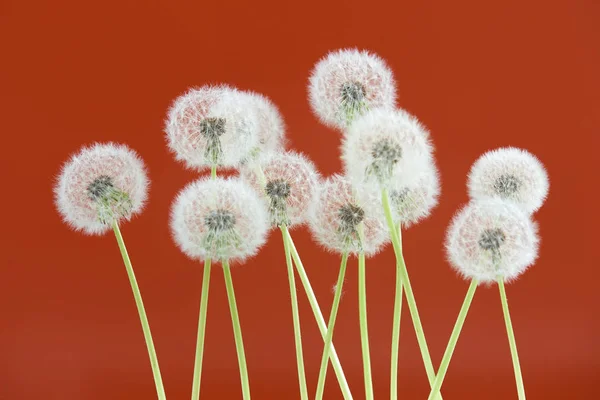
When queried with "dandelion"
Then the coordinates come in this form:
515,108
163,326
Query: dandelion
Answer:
99,187
221,219
102,184
346,83
288,182
211,126
383,145
270,126
511,174
489,240
335,215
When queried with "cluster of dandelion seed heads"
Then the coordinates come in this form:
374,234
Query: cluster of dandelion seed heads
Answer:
99,185
288,182
492,238
511,174
212,126
337,218
346,83
219,218
385,145
413,201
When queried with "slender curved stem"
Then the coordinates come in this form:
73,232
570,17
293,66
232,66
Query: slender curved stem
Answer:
331,326
312,299
213,171
201,331
511,340
396,335
160,390
410,298
295,315
237,331
435,389
364,332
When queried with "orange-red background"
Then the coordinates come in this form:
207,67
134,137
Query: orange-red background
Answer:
479,75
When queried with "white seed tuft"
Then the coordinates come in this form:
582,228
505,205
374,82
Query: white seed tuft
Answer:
510,174
491,238
287,181
100,184
220,218
386,145
212,125
346,83
335,216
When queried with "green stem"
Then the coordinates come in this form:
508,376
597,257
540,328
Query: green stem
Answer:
511,340
312,299
213,171
237,331
160,390
396,334
295,314
331,326
435,389
364,333
410,298
201,331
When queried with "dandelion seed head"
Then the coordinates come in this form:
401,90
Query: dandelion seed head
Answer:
290,182
220,218
346,83
271,127
99,185
491,238
337,217
511,174
212,125
385,145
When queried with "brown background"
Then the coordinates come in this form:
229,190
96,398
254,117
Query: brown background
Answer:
479,75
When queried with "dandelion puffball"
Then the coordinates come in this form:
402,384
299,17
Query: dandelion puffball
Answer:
270,125
511,174
288,182
336,218
99,185
413,201
212,126
383,145
346,83
492,238
219,218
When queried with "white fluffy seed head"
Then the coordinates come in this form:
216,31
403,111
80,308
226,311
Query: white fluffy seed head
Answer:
346,83
219,218
336,218
212,125
287,182
510,174
491,238
99,185
385,145
270,129
413,201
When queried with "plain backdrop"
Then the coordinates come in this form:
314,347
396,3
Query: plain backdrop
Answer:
478,74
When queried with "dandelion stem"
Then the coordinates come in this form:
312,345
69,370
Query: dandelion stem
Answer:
213,171
160,390
201,331
237,331
410,298
312,299
396,335
435,389
511,340
295,314
364,333
331,326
